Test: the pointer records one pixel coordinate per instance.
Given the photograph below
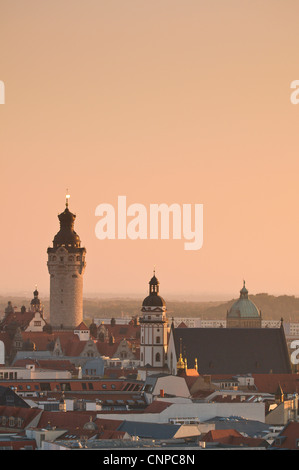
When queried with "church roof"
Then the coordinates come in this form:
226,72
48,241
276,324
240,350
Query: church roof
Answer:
234,350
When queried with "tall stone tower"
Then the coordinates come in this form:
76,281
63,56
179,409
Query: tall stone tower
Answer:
154,329
66,265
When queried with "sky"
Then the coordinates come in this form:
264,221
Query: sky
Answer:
163,101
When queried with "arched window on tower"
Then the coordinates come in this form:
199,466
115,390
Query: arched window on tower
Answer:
158,357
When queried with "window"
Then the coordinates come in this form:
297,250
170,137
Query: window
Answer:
158,339
20,422
66,386
158,357
45,386
11,421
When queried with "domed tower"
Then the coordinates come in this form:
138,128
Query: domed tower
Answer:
35,304
66,265
244,313
154,327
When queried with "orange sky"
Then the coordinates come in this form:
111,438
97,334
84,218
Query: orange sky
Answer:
164,101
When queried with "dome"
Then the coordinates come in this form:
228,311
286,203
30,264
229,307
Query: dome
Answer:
153,301
243,307
66,235
90,425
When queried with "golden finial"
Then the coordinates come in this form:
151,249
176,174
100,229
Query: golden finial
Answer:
180,363
67,196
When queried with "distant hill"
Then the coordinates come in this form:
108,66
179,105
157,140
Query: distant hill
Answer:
272,307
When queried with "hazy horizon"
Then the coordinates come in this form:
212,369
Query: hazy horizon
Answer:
137,296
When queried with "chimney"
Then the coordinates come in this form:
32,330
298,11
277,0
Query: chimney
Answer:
162,393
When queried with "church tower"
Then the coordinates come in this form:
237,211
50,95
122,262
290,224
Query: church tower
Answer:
154,329
66,265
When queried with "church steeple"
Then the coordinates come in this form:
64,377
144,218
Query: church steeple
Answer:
154,327
154,285
35,303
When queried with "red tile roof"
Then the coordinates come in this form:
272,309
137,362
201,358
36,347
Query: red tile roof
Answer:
231,437
74,422
27,414
157,406
269,382
47,364
120,331
288,437
82,326
22,319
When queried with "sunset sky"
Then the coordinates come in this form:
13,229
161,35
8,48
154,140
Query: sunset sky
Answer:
163,101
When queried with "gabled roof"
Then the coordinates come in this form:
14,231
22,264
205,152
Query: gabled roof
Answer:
288,438
234,350
27,414
82,326
22,319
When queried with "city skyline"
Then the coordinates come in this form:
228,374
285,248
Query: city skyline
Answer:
164,103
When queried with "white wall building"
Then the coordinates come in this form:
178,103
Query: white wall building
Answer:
192,411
